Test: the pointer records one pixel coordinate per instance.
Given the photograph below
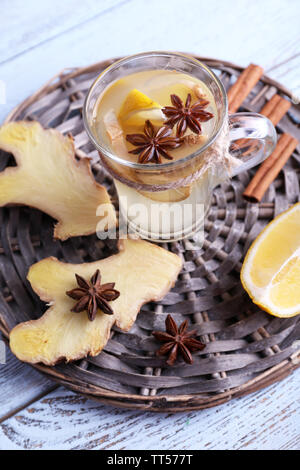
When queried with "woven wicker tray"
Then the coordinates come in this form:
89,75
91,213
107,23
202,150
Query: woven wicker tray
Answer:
247,349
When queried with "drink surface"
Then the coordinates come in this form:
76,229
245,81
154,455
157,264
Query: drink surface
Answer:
126,104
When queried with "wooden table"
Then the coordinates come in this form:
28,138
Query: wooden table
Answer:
38,39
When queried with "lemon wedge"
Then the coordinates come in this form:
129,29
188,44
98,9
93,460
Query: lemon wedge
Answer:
137,108
271,270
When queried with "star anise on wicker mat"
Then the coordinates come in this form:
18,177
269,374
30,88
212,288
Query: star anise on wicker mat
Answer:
186,115
152,145
178,341
93,295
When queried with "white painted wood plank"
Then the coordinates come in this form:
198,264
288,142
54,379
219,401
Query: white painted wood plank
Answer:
24,25
19,385
264,32
268,419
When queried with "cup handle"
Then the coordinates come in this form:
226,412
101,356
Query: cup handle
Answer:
252,139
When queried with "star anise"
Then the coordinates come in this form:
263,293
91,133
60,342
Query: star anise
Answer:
186,115
177,341
152,145
93,295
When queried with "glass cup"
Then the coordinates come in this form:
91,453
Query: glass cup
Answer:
168,201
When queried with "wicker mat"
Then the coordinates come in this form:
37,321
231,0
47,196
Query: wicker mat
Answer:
247,349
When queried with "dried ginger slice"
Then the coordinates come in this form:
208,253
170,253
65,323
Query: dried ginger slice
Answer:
142,272
48,177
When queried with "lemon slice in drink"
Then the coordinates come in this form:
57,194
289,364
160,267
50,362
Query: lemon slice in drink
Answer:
271,270
137,108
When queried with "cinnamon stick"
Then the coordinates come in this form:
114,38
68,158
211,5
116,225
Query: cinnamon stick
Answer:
270,168
276,108
242,87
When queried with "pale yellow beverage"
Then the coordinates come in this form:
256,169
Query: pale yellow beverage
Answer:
160,123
